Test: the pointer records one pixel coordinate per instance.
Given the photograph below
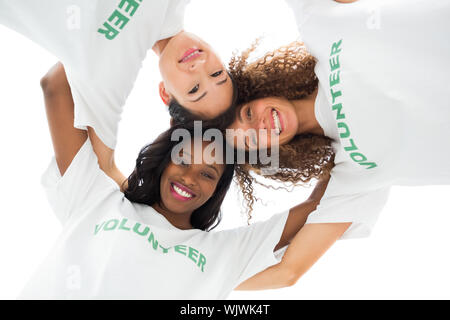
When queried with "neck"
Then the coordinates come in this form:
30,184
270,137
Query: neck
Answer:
307,122
160,45
178,220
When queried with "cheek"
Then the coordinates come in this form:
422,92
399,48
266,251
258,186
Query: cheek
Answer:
214,61
207,190
171,170
290,122
258,108
169,73
163,186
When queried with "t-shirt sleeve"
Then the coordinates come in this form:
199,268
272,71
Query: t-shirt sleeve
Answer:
362,209
253,246
99,104
174,20
83,184
101,72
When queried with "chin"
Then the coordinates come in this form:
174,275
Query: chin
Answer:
179,209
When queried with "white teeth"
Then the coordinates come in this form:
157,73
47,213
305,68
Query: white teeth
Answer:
191,55
277,122
181,192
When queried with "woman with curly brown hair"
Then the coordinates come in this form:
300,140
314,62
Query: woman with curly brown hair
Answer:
360,100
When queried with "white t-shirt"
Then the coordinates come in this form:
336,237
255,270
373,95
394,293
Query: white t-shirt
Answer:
111,248
383,82
102,45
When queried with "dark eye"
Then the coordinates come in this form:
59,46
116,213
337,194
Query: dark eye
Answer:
194,89
207,175
216,74
249,113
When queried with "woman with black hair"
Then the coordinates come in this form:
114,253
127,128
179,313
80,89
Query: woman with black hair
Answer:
154,241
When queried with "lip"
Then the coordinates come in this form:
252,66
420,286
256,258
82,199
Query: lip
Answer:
186,56
272,122
182,187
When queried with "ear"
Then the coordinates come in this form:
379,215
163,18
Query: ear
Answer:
165,97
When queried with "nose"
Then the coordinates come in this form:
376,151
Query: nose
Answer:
197,63
262,123
188,178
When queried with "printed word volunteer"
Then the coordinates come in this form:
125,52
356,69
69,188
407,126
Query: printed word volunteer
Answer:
119,18
335,70
121,224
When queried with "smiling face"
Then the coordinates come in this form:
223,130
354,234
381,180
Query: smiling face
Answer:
266,115
194,75
187,186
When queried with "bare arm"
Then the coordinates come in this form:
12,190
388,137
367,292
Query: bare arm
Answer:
298,214
106,161
310,243
66,139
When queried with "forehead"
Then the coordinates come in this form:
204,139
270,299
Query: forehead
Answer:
202,152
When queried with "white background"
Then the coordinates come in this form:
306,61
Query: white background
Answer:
406,257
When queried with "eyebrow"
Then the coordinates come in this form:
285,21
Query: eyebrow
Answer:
206,92
222,82
201,97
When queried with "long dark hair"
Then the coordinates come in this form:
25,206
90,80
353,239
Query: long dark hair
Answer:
153,159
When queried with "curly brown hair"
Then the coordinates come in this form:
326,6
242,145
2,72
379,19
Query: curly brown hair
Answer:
287,72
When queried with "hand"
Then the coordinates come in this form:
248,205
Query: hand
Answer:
106,159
